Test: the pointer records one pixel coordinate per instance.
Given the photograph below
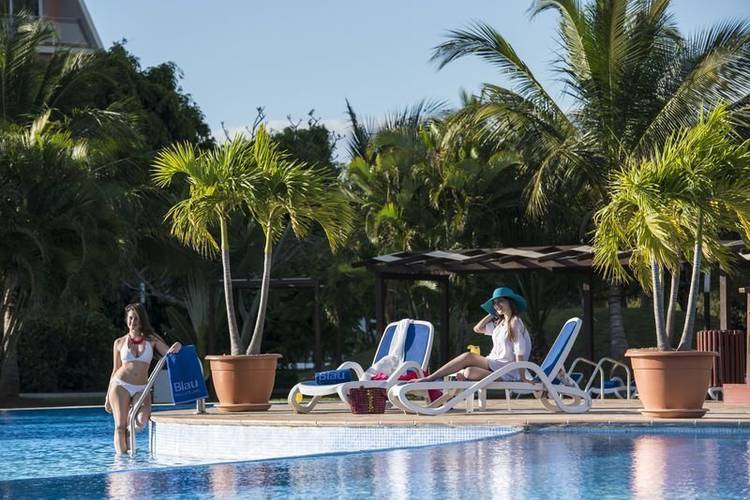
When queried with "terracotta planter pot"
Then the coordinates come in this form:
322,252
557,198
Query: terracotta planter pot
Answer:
244,383
672,384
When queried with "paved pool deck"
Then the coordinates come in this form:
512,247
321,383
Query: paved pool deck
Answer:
524,412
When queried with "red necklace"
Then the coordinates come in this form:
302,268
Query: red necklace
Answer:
140,340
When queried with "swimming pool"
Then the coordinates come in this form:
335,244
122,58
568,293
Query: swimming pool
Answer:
576,462
61,442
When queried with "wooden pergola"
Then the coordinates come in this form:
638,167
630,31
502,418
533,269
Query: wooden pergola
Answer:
293,284
438,265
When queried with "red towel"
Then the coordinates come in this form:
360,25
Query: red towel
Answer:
410,375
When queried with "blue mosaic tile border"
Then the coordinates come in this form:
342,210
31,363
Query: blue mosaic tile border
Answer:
239,442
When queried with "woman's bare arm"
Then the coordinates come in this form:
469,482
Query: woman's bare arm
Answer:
116,364
479,327
162,347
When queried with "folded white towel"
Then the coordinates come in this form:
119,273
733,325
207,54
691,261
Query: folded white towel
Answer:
388,363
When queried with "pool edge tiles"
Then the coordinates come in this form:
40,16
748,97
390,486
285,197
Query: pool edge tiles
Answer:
261,442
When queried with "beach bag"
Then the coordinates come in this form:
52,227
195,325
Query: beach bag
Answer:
368,400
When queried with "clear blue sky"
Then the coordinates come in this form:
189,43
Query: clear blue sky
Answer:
291,56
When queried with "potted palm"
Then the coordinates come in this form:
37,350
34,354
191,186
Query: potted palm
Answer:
671,207
251,177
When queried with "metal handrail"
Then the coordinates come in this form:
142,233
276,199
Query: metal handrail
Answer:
139,402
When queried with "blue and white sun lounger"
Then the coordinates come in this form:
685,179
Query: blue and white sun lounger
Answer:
550,384
598,385
416,357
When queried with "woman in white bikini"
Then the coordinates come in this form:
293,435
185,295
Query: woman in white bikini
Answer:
510,341
132,357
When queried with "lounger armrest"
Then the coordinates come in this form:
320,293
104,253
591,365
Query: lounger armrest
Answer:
597,369
353,365
403,368
615,365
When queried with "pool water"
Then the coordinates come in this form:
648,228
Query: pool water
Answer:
589,463
61,442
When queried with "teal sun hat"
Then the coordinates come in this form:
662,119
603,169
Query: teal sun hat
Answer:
508,293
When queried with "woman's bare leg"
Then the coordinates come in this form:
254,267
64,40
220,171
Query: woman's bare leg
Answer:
145,412
472,373
461,361
120,400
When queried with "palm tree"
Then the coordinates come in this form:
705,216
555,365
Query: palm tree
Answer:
58,144
633,80
287,192
248,176
416,190
689,193
220,181
30,85
57,228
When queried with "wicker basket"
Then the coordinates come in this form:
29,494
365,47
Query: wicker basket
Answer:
368,400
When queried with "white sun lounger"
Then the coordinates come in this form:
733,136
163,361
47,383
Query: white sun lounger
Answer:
417,347
598,385
550,383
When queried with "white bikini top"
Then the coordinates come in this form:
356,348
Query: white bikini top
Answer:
145,357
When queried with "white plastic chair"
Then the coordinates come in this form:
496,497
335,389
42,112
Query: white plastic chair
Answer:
607,385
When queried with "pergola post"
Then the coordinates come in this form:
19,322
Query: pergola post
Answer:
588,312
211,333
746,291
723,298
445,321
316,327
707,300
379,303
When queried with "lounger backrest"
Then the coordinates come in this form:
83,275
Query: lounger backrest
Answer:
418,342
559,351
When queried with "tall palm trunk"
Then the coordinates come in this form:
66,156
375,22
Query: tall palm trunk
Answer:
255,343
657,281
618,341
234,332
686,342
673,288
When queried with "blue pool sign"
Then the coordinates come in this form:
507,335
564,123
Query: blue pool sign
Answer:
186,376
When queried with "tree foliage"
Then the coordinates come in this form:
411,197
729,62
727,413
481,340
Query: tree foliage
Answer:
677,204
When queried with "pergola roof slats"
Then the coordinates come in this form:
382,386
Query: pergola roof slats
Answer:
439,254
520,252
441,262
387,258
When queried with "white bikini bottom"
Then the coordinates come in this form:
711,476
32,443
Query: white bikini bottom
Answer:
132,389
496,364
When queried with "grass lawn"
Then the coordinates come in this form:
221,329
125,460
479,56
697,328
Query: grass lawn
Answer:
639,329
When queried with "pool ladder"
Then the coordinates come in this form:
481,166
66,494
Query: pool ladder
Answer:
200,405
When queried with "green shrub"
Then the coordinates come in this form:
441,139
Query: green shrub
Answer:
73,353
